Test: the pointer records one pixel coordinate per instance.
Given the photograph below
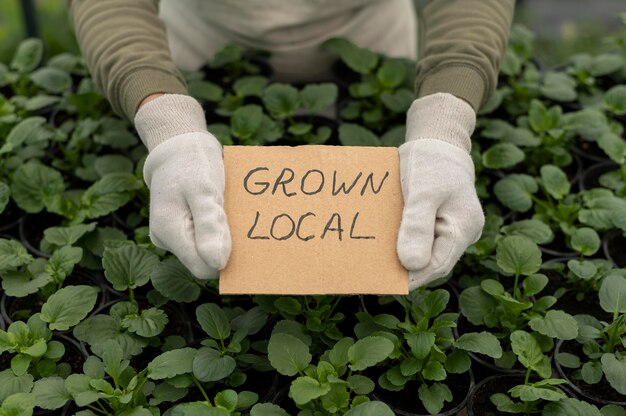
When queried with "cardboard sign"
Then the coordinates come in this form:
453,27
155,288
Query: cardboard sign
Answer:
313,220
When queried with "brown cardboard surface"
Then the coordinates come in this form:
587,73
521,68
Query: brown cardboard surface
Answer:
279,260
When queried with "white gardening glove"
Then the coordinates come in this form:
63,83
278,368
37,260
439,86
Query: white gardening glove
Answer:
442,214
185,173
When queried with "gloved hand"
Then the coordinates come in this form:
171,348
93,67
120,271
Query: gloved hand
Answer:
442,214
185,173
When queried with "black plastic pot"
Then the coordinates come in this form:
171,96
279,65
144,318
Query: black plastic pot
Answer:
11,217
598,394
568,302
591,176
614,247
407,403
31,232
557,249
9,305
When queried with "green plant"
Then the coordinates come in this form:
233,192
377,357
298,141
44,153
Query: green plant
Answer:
283,101
425,350
505,311
228,353
602,343
333,386
314,316
532,395
382,90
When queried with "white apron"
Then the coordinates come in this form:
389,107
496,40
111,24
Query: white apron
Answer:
291,30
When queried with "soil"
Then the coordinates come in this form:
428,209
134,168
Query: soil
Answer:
601,393
406,402
557,248
479,403
10,219
568,302
31,230
74,356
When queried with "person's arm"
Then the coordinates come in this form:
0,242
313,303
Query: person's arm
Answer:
125,48
461,44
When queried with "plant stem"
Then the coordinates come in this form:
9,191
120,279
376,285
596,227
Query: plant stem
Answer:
197,382
527,376
131,294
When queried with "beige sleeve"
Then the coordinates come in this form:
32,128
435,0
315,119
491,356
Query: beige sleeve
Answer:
125,48
461,45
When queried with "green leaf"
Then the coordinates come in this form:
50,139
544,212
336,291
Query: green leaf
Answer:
398,101
568,360
614,146
370,408
172,363
518,255
213,321
355,135
226,399
29,130
112,164
281,100
515,191
558,86
13,254
267,409
614,369
175,281
531,393
19,284
250,86
67,236
391,73
613,294
554,181
51,79
555,324
108,194
20,364
28,55
68,306
205,91
288,354
128,266
246,121
615,99
434,370
502,156
33,184
586,241
420,343
50,393
210,365
457,362
609,410
62,262
5,194
369,351
19,404
305,389
434,397
338,355
534,284
591,372
570,407
358,59
526,348
476,304
150,323
536,230
480,342
11,384
316,97
361,384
